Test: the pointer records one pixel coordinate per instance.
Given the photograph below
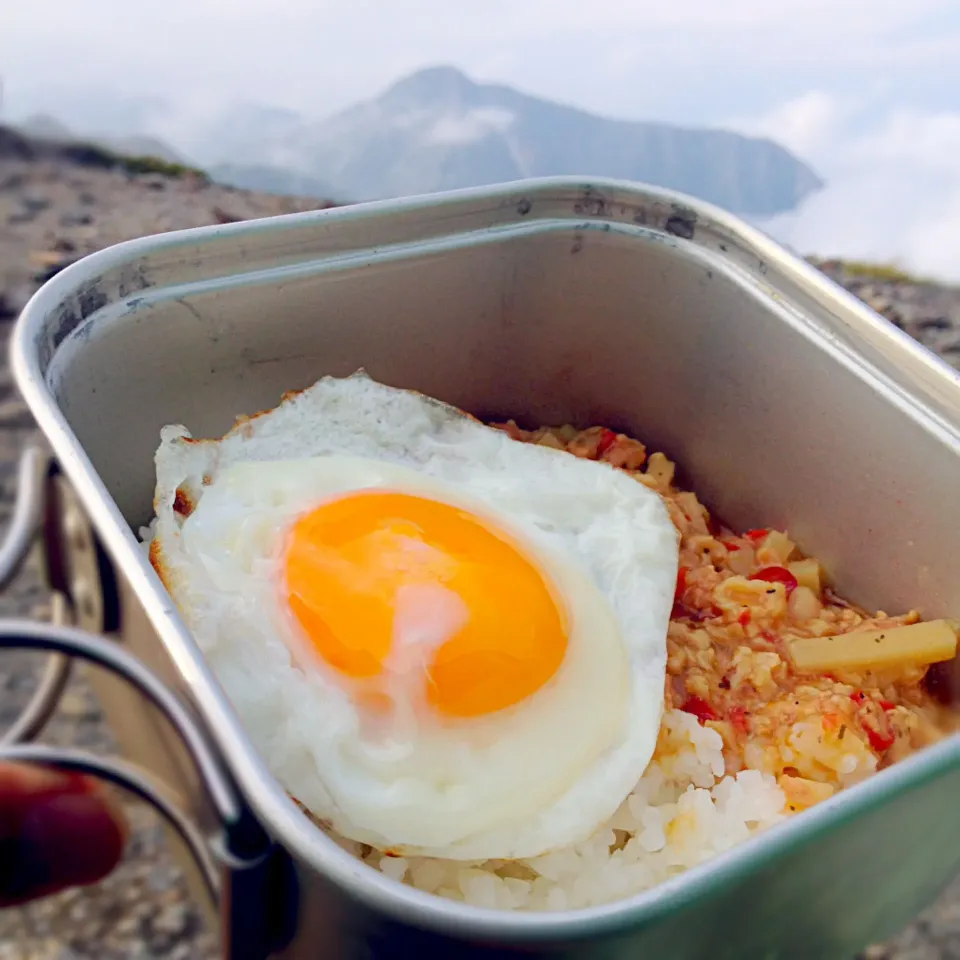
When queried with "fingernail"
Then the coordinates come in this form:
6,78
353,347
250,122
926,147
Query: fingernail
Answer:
67,839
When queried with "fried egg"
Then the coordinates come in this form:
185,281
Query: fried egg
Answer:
442,641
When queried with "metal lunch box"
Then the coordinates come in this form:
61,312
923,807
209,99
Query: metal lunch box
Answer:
784,400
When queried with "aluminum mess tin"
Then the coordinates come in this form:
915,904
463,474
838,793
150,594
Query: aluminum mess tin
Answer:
783,399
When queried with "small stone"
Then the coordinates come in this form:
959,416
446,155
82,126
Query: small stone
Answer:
76,219
11,182
127,926
225,216
933,323
163,878
34,203
171,920
879,303
79,911
42,276
73,704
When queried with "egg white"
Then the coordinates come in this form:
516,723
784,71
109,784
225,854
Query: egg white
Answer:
539,775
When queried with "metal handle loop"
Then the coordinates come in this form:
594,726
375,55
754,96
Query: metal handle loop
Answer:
27,513
255,872
241,868
245,839
27,516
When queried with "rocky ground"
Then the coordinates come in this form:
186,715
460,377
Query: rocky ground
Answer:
52,211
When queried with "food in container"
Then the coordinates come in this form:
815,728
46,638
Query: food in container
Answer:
520,669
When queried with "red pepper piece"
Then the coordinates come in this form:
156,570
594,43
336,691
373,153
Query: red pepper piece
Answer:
731,545
887,705
681,584
757,535
607,439
744,618
777,575
738,717
858,696
699,708
881,742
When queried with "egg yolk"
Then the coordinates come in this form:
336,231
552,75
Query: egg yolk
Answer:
375,576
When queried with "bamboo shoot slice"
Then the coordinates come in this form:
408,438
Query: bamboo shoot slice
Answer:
917,643
807,573
779,544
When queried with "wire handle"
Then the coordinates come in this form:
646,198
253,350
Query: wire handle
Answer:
19,538
243,871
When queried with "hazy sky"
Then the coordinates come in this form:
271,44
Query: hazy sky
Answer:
868,91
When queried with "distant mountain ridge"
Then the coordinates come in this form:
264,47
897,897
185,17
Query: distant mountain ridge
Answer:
269,179
437,129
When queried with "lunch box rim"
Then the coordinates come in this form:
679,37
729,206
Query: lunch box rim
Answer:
277,811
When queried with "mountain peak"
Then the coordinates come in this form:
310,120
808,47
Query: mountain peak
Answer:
432,85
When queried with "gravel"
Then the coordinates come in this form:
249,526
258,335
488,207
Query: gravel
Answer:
51,213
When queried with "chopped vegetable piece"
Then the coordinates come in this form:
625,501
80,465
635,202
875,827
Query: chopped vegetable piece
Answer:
731,545
858,696
681,584
744,617
887,705
777,575
700,709
607,439
756,535
802,793
807,573
916,643
738,717
779,545
660,469
804,604
881,742
831,721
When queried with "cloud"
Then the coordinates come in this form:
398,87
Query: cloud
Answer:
893,181
469,127
676,60
867,90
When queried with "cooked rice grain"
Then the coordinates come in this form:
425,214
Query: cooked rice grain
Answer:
684,810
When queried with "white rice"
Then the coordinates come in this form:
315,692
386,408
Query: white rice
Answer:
683,811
